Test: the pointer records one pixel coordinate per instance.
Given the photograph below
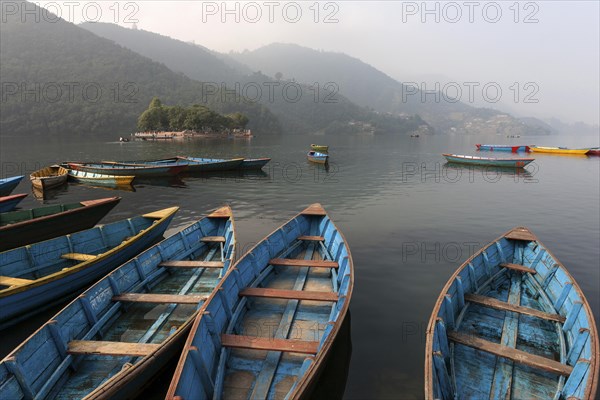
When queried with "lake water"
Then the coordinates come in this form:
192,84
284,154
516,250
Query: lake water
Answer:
410,221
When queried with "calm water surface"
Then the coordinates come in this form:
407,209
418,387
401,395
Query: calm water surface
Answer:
410,221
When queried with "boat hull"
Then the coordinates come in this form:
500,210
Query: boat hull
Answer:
49,177
486,161
20,302
8,203
317,147
7,185
593,152
129,170
50,226
298,241
493,147
558,150
254,163
196,165
100,179
317,158
511,323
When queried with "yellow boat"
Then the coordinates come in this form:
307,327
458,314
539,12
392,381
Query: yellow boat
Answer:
558,150
318,147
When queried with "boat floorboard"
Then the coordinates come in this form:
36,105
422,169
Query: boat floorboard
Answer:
474,369
263,319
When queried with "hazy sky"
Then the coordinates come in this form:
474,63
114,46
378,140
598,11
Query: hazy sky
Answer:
542,55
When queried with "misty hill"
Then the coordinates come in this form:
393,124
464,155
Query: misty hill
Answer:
300,108
367,86
59,78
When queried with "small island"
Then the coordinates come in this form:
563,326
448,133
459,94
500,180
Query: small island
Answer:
171,122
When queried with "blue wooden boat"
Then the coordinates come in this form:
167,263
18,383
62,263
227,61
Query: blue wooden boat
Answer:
144,171
37,276
111,340
488,161
316,157
23,227
190,164
503,147
100,179
268,327
8,203
7,185
254,163
512,323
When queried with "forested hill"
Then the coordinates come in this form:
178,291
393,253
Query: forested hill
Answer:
59,78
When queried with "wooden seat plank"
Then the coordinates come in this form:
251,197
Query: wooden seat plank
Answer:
78,256
159,298
271,344
518,267
10,281
515,355
191,264
289,294
213,239
111,348
501,305
311,238
288,262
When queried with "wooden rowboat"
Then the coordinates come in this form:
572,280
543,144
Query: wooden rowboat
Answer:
318,147
316,157
503,147
100,179
488,161
7,185
145,171
19,228
8,203
40,275
190,164
269,325
49,177
558,150
512,323
254,163
593,151
111,340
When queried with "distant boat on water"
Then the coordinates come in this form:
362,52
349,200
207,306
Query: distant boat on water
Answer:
503,147
49,177
488,161
319,147
558,150
318,158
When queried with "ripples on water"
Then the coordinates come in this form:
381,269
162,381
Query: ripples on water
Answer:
409,218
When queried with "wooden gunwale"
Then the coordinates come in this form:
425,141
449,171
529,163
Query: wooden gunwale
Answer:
592,387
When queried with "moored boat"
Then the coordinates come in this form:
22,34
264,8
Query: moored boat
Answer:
123,330
503,147
8,203
593,151
269,325
100,179
145,171
488,161
316,157
190,164
512,323
319,147
49,177
558,150
7,185
37,276
19,228
254,163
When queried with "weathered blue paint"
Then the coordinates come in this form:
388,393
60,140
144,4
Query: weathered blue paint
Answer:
49,278
190,164
43,368
127,169
268,374
475,373
8,203
7,185
488,161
